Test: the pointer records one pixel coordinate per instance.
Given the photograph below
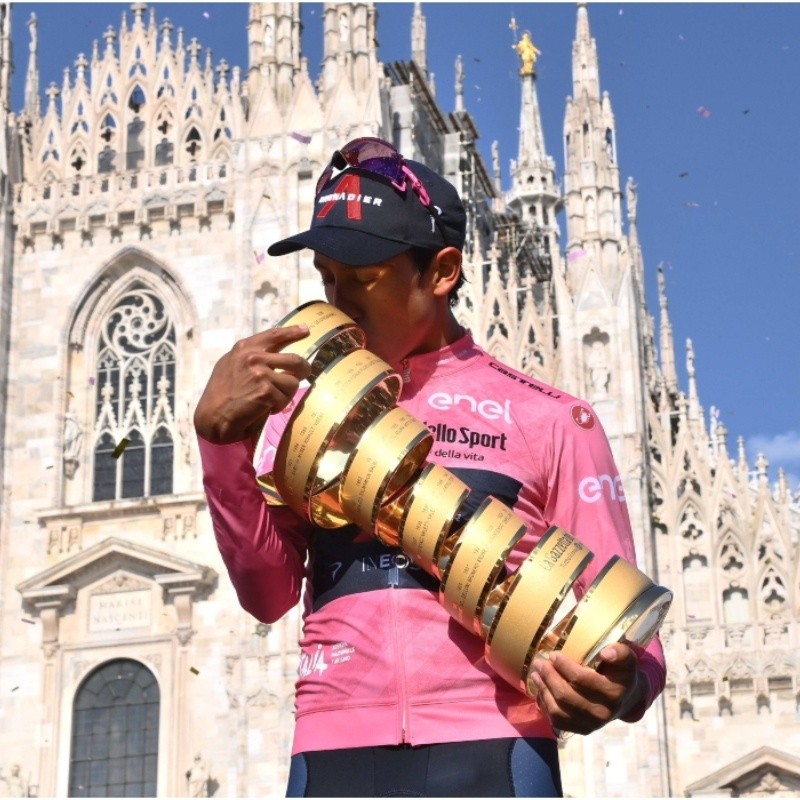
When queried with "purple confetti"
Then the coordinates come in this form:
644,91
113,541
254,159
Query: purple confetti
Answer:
704,112
298,137
575,254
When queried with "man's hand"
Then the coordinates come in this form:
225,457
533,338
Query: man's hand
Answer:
581,700
249,383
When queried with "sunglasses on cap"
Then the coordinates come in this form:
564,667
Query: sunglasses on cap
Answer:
380,158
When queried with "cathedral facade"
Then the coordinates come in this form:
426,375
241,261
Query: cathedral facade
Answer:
136,204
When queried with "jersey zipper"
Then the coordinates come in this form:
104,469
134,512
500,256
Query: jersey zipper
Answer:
394,580
401,674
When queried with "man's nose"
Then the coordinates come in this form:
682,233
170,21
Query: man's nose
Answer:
340,298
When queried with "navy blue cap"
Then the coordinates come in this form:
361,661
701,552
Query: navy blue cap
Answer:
360,218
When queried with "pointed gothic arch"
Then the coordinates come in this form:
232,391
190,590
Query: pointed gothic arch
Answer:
109,96
733,570
125,337
136,133
773,592
51,150
78,156
135,363
731,555
163,136
222,127
108,144
166,85
80,123
193,143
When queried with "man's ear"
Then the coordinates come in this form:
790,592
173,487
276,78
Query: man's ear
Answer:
445,270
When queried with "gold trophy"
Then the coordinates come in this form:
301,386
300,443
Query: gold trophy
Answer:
349,454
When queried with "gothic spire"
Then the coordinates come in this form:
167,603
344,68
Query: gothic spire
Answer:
419,38
5,89
534,194
591,177
585,65
695,412
273,33
666,340
32,76
531,151
349,50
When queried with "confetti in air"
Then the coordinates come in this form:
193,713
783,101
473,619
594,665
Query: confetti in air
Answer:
683,174
28,621
298,137
703,112
258,256
120,448
194,670
575,254
206,15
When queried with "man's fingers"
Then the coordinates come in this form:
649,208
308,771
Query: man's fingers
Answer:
274,339
579,699
288,363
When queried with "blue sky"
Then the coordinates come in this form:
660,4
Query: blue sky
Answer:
706,99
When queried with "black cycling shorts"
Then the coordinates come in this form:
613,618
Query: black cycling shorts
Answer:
486,768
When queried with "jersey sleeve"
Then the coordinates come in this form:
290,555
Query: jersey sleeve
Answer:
586,497
264,547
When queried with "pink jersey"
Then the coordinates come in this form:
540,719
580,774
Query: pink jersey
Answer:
382,662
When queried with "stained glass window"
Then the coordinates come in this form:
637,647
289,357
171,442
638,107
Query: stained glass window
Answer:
135,399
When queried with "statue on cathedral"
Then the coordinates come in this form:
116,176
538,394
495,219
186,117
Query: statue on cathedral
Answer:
528,52
15,784
630,193
73,439
598,371
32,30
459,75
197,778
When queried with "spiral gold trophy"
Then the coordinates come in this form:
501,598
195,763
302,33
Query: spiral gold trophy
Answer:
349,454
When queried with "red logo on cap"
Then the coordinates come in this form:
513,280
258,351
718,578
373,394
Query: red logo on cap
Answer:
350,185
582,417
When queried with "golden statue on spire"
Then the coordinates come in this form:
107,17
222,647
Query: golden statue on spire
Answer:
528,52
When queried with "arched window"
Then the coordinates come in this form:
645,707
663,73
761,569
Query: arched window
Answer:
135,399
164,148
107,157
134,157
193,143
114,749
